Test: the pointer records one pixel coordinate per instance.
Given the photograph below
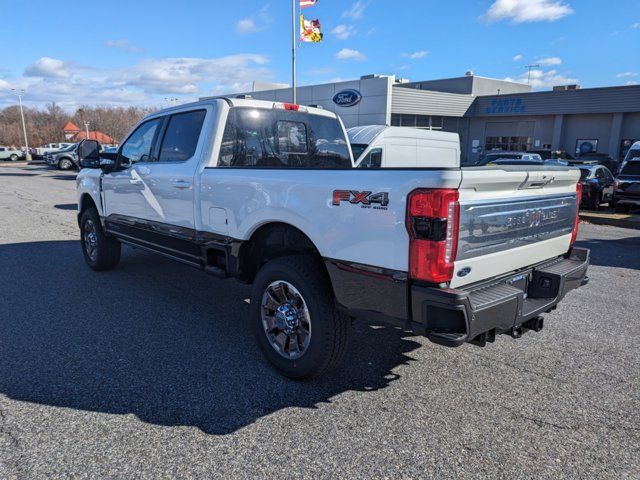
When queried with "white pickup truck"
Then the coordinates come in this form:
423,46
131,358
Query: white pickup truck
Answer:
267,193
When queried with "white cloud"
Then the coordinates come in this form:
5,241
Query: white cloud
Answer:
47,67
550,61
545,79
123,45
255,24
356,12
520,11
517,58
344,32
143,83
627,74
246,25
631,82
635,25
416,55
347,54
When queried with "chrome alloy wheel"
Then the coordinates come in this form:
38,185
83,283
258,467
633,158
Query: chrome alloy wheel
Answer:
90,240
286,320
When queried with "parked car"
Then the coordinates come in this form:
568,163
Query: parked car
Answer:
40,152
459,255
511,158
552,154
596,159
65,159
627,191
597,185
378,146
12,154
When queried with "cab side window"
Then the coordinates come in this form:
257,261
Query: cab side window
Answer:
181,137
372,160
139,146
600,173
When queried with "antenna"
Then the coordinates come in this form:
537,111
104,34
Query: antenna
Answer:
530,67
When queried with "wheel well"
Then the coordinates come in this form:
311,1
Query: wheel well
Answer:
271,241
86,202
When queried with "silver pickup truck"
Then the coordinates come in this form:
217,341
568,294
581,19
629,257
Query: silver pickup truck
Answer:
266,193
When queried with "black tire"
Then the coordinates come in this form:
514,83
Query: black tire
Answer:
14,157
595,201
621,208
65,164
330,328
106,252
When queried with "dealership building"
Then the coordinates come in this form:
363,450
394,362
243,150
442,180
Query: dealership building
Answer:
487,113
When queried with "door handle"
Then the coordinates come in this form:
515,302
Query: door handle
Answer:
181,184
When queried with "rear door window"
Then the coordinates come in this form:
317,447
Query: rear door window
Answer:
275,138
181,137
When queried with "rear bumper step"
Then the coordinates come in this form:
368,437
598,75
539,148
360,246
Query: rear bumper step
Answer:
513,305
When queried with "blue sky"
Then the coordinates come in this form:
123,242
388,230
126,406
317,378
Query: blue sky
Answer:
124,52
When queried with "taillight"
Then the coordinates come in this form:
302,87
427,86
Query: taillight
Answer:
432,222
574,235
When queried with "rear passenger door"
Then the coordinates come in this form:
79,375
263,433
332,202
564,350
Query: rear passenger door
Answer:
170,177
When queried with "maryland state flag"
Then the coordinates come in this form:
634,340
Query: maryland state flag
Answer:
310,30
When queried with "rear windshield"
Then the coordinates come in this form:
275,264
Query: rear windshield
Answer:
584,173
631,168
282,139
633,154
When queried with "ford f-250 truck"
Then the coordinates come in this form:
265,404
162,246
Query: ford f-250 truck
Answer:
267,193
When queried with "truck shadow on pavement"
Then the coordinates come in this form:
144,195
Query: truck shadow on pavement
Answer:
619,253
156,339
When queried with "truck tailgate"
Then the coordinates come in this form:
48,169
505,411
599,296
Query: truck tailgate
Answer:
511,218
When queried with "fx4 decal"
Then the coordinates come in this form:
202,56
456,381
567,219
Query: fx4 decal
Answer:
378,201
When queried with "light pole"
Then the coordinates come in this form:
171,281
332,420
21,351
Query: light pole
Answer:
20,93
86,128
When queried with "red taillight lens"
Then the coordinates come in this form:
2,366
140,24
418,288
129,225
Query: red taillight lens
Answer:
432,222
574,235
291,106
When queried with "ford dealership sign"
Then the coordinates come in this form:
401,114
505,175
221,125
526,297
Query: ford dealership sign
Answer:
347,98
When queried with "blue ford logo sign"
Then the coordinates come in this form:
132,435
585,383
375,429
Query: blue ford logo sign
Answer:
347,98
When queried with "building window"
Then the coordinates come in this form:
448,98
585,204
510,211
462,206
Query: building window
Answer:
508,144
425,122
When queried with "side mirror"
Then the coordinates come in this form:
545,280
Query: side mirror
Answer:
89,154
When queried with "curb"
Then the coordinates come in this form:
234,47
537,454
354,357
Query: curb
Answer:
619,220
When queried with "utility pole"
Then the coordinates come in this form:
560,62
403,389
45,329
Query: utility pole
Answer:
20,93
530,67
86,128
293,50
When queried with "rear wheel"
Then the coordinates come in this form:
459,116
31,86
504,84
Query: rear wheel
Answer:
296,322
100,252
65,164
595,201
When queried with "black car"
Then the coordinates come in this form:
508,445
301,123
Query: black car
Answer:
595,159
627,194
597,186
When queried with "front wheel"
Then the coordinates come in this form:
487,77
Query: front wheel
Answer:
596,200
296,322
100,252
14,157
621,208
65,164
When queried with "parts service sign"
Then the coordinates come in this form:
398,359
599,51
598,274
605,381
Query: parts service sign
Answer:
347,98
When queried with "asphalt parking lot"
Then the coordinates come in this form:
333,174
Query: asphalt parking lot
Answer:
149,371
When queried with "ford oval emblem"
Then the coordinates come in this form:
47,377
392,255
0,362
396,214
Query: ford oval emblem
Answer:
464,272
347,98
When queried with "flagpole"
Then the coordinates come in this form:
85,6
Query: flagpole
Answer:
293,50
